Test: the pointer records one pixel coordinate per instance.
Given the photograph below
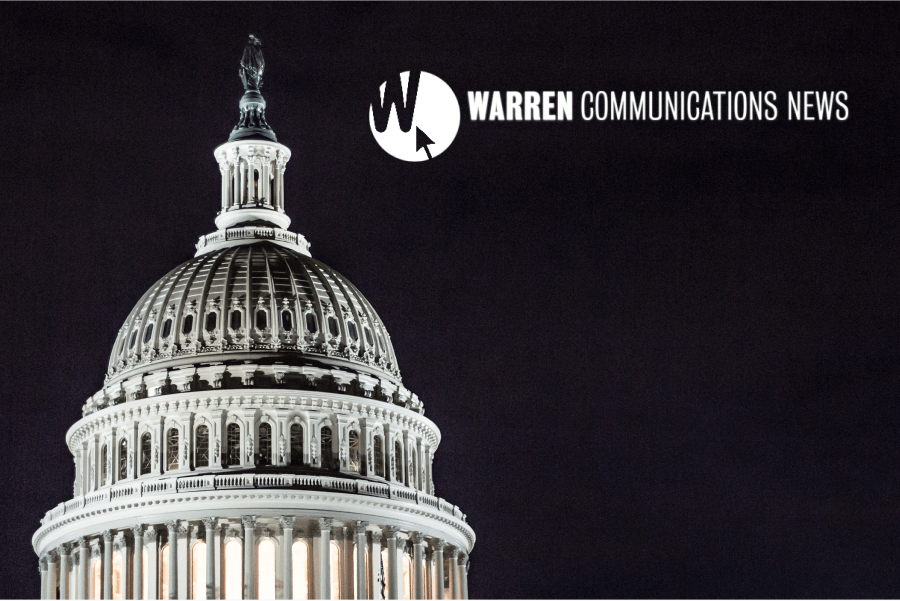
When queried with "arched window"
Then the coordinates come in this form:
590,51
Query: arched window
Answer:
262,319
354,451
188,326
133,339
368,336
103,466
407,577
300,569
198,570
202,459
96,580
333,325
287,322
234,581
233,445
266,574
351,327
172,449
379,456
311,326
265,444
327,455
164,572
385,566
236,319
145,453
123,459
296,444
148,333
335,571
398,461
116,576
211,321
167,328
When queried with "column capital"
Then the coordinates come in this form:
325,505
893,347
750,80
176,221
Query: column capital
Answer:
286,522
137,530
210,523
325,524
453,552
171,526
438,545
81,542
376,536
42,564
65,548
416,538
359,527
150,534
249,521
184,530
52,556
107,536
463,558
392,531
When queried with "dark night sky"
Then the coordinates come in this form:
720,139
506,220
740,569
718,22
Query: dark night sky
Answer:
664,357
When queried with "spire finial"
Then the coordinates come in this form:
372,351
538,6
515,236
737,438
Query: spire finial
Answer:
252,123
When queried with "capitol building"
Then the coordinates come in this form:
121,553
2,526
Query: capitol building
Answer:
253,438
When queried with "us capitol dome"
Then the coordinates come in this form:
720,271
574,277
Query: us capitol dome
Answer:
253,438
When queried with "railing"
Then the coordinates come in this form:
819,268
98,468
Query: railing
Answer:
237,481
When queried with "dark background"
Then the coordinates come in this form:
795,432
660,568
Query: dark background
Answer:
664,357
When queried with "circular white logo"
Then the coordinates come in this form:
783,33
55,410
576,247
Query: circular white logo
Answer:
414,116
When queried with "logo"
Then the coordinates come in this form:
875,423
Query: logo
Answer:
414,116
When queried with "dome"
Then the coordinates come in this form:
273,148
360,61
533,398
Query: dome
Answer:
258,302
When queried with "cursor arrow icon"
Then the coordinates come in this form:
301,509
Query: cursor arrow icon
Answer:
422,141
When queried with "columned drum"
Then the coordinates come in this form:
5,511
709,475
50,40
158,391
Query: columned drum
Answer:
253,437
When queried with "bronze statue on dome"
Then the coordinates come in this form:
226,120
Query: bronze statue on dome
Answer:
252,64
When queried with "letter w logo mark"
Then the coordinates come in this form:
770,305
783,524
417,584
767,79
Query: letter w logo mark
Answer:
393,96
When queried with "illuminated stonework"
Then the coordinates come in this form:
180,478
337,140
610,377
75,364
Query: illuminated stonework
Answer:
253,438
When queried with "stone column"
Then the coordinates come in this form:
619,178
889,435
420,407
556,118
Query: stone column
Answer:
429,574
210,524
454,574
64,551
107,563
172,527
375,555
287,525
42,567
138,569
464,577
152,574
223,169
393,581
439,568
361,559
323,560
52,565
418,560
249,556
84,569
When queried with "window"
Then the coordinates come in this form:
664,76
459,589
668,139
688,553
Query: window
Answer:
188,326
167,328
148,333
164,572
198,570
379,457
300,569
145,454
234,582
265,445
266,574
172,449
202,447
333,326
368,337
354,451
398,461
133,339
211,321
327,455
96,580
296,444
233,445
103,466
311,326
287,322
123,459
351,327
116,576
407,577
262,319
335,571
236,319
